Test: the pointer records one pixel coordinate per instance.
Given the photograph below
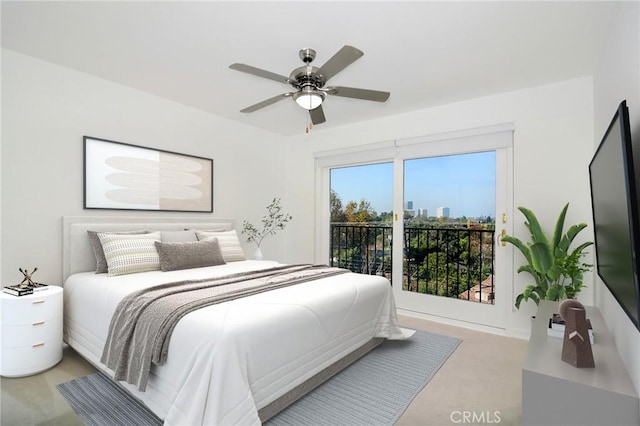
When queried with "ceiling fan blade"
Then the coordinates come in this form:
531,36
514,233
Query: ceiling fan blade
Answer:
364,94
266,102
342,59
317,115
260,72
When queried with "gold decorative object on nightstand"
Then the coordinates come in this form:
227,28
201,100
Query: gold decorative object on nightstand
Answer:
28,282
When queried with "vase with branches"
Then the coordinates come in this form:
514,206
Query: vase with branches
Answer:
275,220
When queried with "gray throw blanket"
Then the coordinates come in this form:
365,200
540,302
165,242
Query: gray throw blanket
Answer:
142,324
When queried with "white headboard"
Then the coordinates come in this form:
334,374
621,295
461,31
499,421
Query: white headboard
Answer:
77,254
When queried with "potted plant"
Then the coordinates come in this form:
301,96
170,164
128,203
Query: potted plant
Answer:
272,222
557,271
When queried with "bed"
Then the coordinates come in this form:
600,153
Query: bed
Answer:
237,362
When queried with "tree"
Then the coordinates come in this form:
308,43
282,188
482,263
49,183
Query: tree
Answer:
337,214
359,212
385,217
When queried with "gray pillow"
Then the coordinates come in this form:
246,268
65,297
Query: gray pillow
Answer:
178,236
191,254
98,251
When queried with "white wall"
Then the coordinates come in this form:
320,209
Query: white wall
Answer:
553,142
618,78
46,110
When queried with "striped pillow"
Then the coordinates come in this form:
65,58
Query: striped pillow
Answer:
228,242
129,254
101,262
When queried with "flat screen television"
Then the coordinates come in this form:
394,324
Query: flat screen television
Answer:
614,201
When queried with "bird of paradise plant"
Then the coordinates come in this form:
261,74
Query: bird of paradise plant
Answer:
558,272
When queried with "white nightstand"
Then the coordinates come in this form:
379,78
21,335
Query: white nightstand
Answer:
31,337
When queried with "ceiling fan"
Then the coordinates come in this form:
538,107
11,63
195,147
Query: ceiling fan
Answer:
309,82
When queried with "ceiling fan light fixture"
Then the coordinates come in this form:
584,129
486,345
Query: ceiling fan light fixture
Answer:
309,98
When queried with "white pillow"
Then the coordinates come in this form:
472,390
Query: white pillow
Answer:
129,254
228,242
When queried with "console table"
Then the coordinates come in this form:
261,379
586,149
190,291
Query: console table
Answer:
555,392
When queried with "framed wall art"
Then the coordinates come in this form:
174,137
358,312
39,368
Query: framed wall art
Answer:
129,177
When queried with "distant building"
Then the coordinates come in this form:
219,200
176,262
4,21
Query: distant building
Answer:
483,292
422,213
408,209
443,212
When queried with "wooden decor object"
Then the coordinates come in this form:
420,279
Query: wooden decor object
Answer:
576,349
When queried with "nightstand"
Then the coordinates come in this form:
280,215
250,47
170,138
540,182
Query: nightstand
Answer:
31,335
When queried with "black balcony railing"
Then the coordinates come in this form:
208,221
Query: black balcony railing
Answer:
447,260
362,248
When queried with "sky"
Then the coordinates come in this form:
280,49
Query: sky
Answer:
464,183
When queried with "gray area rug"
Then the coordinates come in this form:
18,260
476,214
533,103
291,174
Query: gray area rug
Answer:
374,390
99,401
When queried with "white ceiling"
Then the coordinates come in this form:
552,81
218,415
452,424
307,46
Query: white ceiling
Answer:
424,53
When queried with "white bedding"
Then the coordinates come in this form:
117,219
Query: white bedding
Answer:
227,361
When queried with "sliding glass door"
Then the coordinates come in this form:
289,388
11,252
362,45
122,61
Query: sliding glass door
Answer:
428,216
450,260
361,204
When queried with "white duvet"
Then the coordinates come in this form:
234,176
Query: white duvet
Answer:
227,361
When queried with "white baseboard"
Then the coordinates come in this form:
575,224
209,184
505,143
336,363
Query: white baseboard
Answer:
463,324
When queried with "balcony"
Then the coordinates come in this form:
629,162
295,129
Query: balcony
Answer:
450,260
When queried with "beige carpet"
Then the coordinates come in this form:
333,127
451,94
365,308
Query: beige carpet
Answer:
483,376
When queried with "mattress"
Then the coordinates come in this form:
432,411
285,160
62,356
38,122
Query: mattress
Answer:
227,361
